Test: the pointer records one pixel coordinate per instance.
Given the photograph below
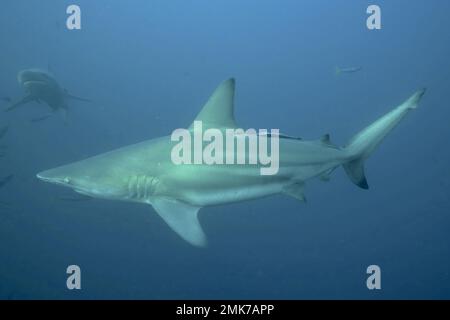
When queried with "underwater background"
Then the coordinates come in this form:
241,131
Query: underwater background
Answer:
148,67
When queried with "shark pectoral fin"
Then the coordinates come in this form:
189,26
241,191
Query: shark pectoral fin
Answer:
295,190
22,101
182,218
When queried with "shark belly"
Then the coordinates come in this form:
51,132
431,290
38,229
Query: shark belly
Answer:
215,185
218,196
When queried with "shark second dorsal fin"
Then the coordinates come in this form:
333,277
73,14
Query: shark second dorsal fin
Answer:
326,140
218,112
182,218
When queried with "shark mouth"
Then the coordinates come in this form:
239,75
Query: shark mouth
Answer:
58,181
65,182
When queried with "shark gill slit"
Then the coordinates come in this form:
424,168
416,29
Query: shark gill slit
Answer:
141,187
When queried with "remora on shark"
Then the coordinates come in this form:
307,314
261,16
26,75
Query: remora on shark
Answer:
144,172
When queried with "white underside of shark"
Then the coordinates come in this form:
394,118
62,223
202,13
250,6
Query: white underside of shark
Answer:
145,173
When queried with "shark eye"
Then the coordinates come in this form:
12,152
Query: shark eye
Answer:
66,180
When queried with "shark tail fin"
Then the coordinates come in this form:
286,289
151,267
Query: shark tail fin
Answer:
365,142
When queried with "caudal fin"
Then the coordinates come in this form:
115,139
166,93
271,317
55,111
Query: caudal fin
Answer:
365,142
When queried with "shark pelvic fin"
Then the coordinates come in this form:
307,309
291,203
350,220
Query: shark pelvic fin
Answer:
218,112
326,176
296,190
182,218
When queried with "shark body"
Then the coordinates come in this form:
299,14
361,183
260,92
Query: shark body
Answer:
145,173
41,86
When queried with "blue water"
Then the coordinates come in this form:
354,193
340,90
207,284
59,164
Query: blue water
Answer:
149,66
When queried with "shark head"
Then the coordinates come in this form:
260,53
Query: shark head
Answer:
32,77
88,177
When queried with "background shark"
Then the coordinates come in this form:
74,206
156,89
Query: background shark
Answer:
145,173
41,86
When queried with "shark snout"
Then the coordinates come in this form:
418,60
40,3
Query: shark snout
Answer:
25,76
32,76
81,179
47,176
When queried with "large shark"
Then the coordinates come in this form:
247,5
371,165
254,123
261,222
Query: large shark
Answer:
145,173
41,86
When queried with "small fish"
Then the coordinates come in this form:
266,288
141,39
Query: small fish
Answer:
6,180
339,70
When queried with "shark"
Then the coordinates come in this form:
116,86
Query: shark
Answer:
145,173
41,86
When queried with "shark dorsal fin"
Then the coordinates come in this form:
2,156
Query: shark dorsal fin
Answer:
218,112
